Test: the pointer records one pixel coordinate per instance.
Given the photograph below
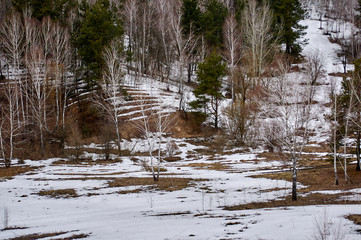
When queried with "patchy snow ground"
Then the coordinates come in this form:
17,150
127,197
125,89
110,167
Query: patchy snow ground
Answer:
192,213
197,211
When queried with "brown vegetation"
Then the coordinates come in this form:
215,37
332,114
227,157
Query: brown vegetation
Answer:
165,184
15,170
59,193
315,179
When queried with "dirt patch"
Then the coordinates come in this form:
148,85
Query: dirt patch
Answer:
8,173
164,184
59,193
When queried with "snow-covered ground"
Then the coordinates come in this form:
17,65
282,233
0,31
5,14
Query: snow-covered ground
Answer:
195,212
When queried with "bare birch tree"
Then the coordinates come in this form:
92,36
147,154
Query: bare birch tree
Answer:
258,36
163,11
38,90
334,128
288,118
130,12
112,76
232,52
12,36
10,126
184,47
59,50
154,123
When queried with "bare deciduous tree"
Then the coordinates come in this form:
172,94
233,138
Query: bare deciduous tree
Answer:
10,126
334,128
258,36
38,92
130,11
232,52
12,36
154,123
314,71
184,47
163,11
59,50
112,76
290,112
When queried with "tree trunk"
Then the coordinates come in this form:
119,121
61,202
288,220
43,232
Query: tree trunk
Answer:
7,162
358,150
335,144
216,113
189,72
294,180
118,137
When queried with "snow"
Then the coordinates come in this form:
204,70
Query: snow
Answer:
198,213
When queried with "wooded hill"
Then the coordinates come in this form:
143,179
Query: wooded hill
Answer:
70,71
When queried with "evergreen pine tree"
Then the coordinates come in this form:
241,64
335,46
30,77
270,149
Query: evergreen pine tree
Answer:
287,14
97,27
209,89
212,21
191,17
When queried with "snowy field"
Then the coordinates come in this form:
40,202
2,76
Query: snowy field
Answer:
102,211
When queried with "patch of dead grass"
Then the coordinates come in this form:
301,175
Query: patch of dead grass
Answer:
89,174
356,218
86,161
59,193
320,178
317,149
311,199
75,236
164,184
37,236
172,159
218,166
14,170
316,179
269,156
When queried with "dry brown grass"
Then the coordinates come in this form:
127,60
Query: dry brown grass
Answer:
59,193
14,170
86,161
315,179
164,184
320,178
37,236
49,235
172,159
311,199
317,149
356,218
268,156
89,174
218,166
